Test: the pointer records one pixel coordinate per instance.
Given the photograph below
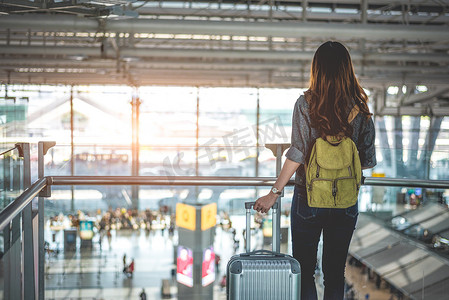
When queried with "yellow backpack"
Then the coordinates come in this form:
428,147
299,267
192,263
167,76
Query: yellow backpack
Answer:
334,172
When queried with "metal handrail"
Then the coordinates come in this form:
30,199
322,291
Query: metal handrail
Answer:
162,180
406,182
15,207
225,181
9,150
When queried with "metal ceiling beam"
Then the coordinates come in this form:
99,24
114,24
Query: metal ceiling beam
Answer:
22,4
210,53
330,2
367,80
354,4
11,62
21,37
242,81
191,79
429,95
275,29
376,81
288,15
256,78
415,111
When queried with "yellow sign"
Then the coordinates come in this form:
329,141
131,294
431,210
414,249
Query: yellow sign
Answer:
378,174
208,216
185,216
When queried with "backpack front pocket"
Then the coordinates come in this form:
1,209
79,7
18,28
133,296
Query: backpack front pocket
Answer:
347,192
319,193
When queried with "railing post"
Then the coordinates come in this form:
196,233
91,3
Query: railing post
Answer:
7,261
15,260
42,150
278,150
14,248
43,147
135,103
6,234
27,227
40,226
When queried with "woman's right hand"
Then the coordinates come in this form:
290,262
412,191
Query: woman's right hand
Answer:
263,204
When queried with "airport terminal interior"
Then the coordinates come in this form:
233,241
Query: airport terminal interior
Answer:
133,132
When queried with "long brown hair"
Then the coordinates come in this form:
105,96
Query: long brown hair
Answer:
333,88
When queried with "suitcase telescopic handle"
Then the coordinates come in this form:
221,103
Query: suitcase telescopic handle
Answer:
274,208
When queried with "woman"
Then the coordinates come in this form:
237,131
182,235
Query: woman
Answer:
323,111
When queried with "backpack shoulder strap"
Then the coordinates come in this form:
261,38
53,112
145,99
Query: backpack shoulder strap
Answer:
354,112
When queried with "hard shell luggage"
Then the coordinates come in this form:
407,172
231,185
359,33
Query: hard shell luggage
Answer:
263,274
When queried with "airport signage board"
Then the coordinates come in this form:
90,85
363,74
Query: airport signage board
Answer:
184,266
208,216
208,266
186,216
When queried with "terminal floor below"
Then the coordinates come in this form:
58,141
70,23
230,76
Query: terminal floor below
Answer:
96,274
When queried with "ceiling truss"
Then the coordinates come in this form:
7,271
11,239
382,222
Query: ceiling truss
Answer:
222,43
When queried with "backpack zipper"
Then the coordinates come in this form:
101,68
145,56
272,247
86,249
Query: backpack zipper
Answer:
317,179
346,177
334,187
334,191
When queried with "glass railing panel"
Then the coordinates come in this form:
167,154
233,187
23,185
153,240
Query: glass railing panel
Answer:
11,177
158,204
11,186
90,202
130,232
412,147
419,164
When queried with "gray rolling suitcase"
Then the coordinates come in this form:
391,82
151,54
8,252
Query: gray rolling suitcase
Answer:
263,274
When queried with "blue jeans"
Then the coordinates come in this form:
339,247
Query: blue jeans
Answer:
337,225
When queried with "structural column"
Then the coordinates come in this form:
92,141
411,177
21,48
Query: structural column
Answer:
383,138
364,11
135,104
414,146
197,133
432,134
398,163
72,149
195,258
197,137
304,10
257,133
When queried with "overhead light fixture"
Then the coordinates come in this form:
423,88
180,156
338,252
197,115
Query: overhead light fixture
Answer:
130,58
78,57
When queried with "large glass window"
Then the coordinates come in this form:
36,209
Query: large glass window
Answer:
167,130
276,110
227,138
